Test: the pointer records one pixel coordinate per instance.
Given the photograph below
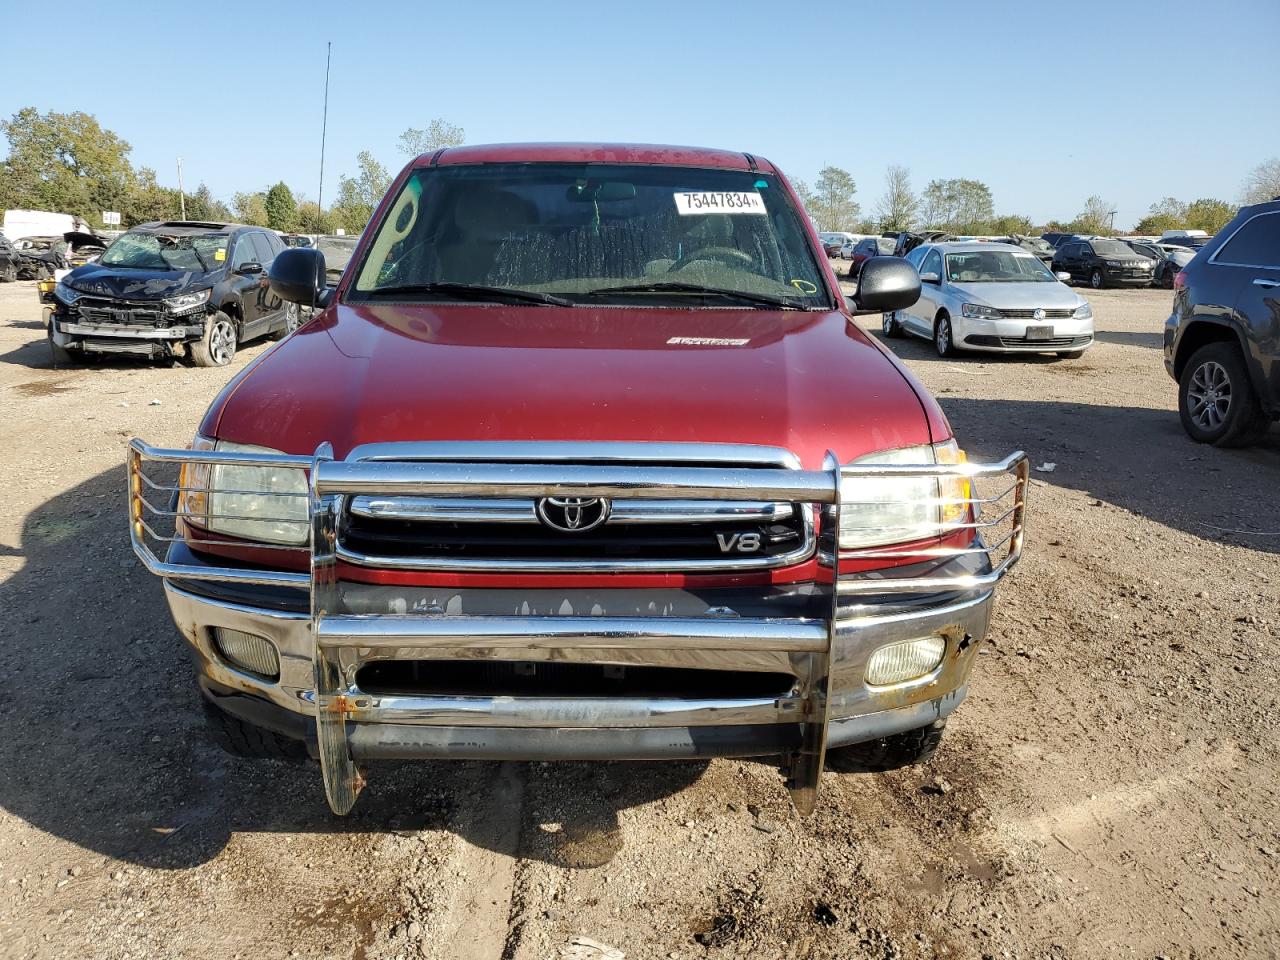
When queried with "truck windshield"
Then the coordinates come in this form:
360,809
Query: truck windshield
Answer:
154,251
594,233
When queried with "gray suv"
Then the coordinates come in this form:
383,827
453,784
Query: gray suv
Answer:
1221,343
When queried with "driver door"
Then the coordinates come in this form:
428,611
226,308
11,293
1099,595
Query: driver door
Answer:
920,317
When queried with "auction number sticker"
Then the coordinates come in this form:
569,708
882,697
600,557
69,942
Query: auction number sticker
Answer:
711,201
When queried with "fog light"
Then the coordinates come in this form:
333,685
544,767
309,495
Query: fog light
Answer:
907,660
248,652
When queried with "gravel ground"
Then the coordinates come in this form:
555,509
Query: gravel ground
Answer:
1109,788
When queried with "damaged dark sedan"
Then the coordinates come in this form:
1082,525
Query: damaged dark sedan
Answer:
170,290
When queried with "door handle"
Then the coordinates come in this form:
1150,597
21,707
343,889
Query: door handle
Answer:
1265,282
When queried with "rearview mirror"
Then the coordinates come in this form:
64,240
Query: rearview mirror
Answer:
930,277
885,284
249,267
1063,276
298,276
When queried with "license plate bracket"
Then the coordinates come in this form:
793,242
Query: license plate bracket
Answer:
1040,333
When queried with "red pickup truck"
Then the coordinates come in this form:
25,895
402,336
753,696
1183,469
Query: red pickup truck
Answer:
583,457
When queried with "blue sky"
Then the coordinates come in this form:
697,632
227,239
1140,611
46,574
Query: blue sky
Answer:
1046,103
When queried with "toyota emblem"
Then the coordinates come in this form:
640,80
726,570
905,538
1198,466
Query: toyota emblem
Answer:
573,514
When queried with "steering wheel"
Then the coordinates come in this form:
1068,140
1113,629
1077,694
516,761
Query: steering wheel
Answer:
727,255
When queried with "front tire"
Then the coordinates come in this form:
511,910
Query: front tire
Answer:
292,319
943,338
217,347
1070,354
1097,280
242,739
1216,400
890,325
889,753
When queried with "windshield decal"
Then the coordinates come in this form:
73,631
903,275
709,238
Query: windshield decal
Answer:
713,201
708,342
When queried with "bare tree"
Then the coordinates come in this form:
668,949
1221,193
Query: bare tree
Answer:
439,133
1263,182
899,207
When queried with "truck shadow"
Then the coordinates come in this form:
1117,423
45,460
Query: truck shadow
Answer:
106,747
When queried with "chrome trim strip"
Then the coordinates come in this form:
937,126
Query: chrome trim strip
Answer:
486,510
376,633
1227,242
591,451
408,478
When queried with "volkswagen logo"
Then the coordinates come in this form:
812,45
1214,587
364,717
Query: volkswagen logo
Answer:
1038,315
573,514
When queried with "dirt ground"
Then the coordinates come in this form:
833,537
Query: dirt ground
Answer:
1110,788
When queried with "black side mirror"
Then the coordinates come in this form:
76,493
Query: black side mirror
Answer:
250,267
886,284
297,275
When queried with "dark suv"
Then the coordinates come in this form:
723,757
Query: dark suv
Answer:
1220,344
1103,263
162,288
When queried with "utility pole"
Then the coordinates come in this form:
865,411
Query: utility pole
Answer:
182,194
324,126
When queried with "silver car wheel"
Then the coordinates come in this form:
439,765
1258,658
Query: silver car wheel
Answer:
291,313
1209,395
222,342
942,337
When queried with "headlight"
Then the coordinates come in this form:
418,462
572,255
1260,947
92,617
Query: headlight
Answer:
188,301
1083,312
65,294
979,311
254,503
875,510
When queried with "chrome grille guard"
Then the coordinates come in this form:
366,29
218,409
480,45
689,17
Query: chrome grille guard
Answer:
991,527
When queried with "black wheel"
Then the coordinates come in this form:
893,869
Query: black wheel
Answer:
943,339
1071,354
890,325
889,753
292,318
1216,400
218,345
1096,279
242,739
60,355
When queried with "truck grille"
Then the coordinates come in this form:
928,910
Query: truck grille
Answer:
129,313
482,534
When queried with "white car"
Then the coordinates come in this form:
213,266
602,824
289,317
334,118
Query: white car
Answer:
992,297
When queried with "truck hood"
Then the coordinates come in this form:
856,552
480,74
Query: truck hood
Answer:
362,374
130,284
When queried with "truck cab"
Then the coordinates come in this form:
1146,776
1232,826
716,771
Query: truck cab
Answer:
584,456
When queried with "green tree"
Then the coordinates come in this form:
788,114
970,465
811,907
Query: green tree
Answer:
1209,215
833,205
1154,224
201,205
250,208
311,219
439,133
64,162
805,193
281,208
357,196
1263,182
898,207
1011,223
1095,218
959,205
146,200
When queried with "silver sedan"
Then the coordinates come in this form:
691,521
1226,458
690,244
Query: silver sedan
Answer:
992,297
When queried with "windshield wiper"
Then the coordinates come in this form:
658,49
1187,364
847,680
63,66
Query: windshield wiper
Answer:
472,291
675,286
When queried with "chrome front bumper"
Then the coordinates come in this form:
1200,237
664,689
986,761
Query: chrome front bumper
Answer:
830,703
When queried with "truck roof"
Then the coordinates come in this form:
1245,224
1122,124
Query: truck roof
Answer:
595,153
